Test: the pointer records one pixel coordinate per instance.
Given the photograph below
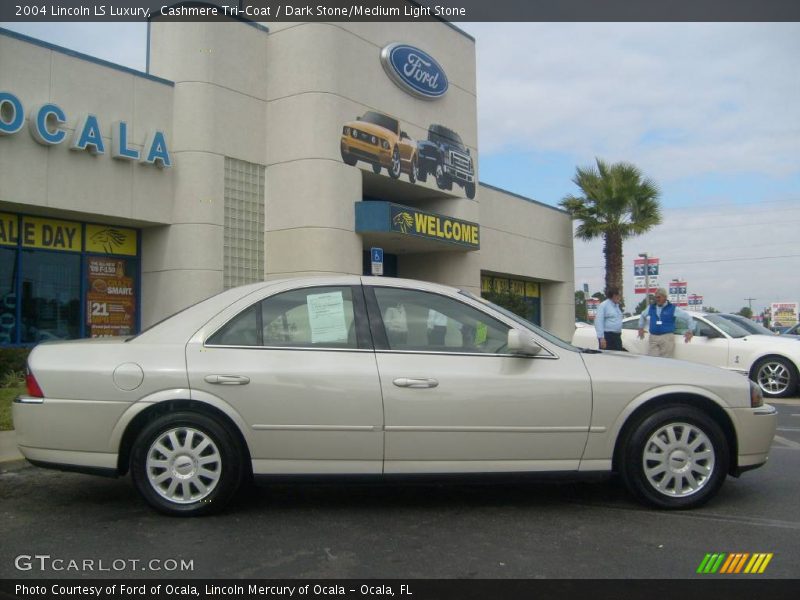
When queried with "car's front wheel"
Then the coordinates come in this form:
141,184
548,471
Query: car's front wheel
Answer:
776,377
676,457
186,464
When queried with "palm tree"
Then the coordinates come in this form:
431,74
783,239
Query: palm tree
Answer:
617,203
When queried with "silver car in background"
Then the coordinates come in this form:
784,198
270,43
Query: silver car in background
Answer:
377,377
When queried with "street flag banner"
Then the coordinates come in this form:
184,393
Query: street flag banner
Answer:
642,270
695,302
677,293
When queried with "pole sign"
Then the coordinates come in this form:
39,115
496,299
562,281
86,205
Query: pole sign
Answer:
784,314
591,308
644,274
694,302
377,261
677,293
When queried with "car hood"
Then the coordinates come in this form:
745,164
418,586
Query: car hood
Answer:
623,374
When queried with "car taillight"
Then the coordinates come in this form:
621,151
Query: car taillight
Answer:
33,386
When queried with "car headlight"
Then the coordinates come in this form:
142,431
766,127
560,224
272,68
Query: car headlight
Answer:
384,144
346,131
354,133
374,140
756,397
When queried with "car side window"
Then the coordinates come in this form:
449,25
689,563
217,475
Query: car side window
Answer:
321,317
423,321
681,325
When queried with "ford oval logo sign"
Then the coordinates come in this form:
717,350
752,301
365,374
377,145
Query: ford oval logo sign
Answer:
415,71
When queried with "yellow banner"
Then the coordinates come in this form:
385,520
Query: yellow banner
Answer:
9,229
51,234
108,239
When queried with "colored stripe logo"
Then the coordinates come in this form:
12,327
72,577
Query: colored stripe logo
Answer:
735,563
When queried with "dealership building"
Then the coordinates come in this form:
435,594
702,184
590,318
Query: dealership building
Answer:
246,153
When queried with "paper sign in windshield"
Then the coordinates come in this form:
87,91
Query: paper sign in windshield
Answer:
326,317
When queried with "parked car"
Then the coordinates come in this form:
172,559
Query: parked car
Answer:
377,139
445,156
377,377
793,331
748,325
772,361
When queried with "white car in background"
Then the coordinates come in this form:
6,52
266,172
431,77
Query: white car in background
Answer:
772,361
377,377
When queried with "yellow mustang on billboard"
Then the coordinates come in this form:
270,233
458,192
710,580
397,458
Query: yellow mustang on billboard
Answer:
377,139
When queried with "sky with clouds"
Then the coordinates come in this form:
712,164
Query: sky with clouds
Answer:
710,111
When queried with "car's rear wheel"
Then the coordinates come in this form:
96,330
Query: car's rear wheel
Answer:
394,167
776,377
676,457
186,464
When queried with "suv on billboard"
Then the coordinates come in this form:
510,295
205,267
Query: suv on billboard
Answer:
377,139
445,156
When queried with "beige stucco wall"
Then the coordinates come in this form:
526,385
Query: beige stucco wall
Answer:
277,99
532,241
57,181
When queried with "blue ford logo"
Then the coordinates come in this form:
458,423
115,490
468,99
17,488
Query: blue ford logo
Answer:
415,71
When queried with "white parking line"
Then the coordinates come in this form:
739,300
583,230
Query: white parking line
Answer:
788,443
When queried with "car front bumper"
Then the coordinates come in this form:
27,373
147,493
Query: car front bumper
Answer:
755,430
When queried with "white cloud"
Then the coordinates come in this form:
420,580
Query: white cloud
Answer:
724,95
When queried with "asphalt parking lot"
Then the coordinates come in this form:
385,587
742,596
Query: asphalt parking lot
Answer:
539,529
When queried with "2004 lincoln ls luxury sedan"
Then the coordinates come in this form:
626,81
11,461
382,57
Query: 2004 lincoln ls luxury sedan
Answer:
367,376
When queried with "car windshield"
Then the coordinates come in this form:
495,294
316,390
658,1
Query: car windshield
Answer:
553,339
726,325
379,119
750,326
443,135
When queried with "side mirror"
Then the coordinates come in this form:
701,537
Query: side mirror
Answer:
522,342
468,152
358,118
403,134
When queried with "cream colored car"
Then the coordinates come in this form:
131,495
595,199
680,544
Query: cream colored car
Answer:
377,377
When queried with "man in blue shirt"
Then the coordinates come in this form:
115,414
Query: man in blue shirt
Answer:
608,322
662,316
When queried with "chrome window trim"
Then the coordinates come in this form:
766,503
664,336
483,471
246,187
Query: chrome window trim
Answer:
493,355
294,348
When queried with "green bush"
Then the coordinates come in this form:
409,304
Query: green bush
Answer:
13,360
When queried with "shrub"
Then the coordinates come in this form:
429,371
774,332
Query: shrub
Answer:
13,360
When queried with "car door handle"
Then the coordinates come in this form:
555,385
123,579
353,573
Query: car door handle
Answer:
415,383
227,379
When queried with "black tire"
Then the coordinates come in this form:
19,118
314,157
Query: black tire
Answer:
442,181
422,173
698,448
349,159
776,376
469,188
376,168
206,455
395,166
413,171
